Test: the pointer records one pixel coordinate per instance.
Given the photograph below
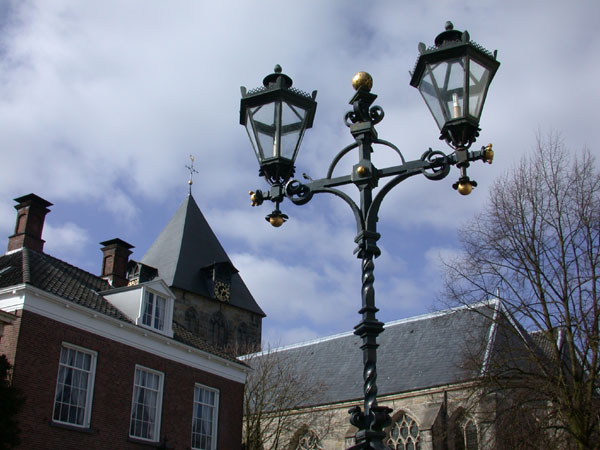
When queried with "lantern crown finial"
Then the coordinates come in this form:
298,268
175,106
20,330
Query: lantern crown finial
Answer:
449,35
277,78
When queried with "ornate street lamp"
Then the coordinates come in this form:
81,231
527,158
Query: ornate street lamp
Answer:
453,78
276,116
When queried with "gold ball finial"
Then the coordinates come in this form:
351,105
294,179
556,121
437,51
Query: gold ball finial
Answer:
362,80
465,187
488,154
361,171
276,221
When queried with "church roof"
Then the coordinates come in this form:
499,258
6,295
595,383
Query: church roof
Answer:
417,353
183,251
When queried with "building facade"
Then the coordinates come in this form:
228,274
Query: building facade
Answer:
103,361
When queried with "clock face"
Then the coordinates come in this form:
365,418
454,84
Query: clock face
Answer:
222,291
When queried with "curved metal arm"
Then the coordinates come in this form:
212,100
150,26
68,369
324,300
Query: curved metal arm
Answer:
435,165
300,194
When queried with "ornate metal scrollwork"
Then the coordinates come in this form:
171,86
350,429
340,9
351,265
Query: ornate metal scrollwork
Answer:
361,114
297,192
439,165
376,113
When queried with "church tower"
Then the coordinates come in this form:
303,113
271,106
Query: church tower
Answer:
212,301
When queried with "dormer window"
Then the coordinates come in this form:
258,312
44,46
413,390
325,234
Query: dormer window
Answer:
155,307
148,305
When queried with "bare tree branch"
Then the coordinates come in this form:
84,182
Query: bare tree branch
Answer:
537,247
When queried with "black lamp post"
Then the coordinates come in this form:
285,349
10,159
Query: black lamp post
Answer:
453,78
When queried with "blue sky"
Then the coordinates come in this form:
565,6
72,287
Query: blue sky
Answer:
101,104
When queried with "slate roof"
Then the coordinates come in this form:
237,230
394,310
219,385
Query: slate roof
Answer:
57,277
71,283
413,354
185,247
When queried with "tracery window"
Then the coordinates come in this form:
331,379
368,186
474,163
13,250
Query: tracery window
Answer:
405,434
466,437
191,320
309,441
219,329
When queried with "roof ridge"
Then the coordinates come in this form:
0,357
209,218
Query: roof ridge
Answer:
420,317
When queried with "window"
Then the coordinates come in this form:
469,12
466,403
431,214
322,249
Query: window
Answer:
204,420
146,404
405,434
220,335
74,386
309,441
191,320
466,436
154,311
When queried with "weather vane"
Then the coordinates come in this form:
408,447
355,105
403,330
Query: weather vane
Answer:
192,172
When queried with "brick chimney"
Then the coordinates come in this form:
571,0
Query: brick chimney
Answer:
114,261
31,212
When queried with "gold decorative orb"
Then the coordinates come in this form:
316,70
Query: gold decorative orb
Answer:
361,171
488,154
465,187
276,221
362,79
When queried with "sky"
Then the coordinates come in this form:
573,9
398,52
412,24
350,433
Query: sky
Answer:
103,102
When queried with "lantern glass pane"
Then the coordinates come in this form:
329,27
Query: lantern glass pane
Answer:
479,80
252,135
262,119
450,78
429,91
292,128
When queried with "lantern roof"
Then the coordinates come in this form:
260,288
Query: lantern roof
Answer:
450,43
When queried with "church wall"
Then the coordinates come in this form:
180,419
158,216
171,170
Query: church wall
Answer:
218,322
431,409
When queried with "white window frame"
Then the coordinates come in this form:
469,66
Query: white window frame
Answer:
166,311
215,416
158,411
89,394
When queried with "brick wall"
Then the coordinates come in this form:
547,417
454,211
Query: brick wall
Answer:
35,371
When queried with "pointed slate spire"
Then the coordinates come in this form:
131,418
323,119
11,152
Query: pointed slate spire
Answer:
185,248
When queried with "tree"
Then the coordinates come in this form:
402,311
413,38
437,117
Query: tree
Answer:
11,401
276,391
536,246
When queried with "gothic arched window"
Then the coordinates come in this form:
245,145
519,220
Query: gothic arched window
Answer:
219,329
404,434
466,436
308,440
191,320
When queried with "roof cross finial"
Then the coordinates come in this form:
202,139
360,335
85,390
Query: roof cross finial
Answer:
192,172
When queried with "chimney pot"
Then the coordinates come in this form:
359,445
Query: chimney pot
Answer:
115,256
31,213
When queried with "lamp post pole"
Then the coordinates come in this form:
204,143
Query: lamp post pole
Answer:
277,110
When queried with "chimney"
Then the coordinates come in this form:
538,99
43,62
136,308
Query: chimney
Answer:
114,261
31,212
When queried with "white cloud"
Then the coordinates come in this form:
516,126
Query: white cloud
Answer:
65,238
102,104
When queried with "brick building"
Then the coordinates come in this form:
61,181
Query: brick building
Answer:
105,362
